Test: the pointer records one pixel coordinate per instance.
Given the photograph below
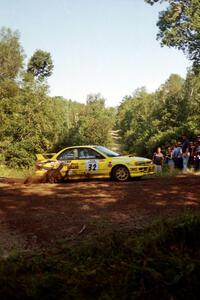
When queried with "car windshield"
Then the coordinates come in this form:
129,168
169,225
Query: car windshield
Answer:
107,152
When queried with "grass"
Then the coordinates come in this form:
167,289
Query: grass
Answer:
166,171
15,173
161,262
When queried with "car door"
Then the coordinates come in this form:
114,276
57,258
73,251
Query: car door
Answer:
91,163
69,158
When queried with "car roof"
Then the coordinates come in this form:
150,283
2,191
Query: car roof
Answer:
74,147
82,146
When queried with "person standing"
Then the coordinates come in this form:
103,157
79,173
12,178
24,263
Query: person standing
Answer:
169,159
192,154
158,159
197,155
177,156
185,152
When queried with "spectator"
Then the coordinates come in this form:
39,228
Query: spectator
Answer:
185,152
197,155
177,156
169,158
158,159
192,154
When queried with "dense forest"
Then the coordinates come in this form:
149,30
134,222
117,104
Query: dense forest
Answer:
148,120
32,121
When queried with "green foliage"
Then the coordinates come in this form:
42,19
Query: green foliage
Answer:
40,64
31,121
179,26
25,125
148,120
161,262
94,124
11,54
134,119
15,172
192,94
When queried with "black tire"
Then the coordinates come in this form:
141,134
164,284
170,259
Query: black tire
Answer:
120,173
53,176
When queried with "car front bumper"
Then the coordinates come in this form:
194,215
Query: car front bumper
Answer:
142,170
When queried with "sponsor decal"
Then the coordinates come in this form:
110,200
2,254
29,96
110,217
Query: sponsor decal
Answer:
92,165
74,166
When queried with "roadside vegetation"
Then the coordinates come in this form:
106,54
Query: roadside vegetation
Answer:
15,172
32,121
147,121
160,262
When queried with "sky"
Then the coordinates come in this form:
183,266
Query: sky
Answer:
97,46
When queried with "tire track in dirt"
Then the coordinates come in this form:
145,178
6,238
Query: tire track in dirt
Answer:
40,214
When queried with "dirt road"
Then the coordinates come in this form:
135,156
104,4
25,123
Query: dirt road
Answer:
41,214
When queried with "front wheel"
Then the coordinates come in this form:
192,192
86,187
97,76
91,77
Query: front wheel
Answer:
120,173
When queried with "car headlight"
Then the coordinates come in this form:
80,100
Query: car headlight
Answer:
143,163
140,163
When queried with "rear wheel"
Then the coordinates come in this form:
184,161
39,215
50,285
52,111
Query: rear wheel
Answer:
120,173
52,176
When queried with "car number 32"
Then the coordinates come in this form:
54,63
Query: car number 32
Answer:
92,165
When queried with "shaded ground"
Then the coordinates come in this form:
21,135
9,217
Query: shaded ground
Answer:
39,214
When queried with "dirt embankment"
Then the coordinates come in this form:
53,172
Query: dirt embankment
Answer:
40,214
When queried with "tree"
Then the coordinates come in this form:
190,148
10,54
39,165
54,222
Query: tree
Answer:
170,106
192,96
40,64
94,124
179,26
134,120
149,120
11,54
95,99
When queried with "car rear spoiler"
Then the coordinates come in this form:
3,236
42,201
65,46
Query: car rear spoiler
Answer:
44,156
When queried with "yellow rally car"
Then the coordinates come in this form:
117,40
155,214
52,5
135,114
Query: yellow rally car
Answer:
91,162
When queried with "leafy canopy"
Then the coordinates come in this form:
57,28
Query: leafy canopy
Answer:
32,121
40,64
11,54
179,26
147,121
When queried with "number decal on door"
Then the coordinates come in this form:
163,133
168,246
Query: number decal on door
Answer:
92,165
